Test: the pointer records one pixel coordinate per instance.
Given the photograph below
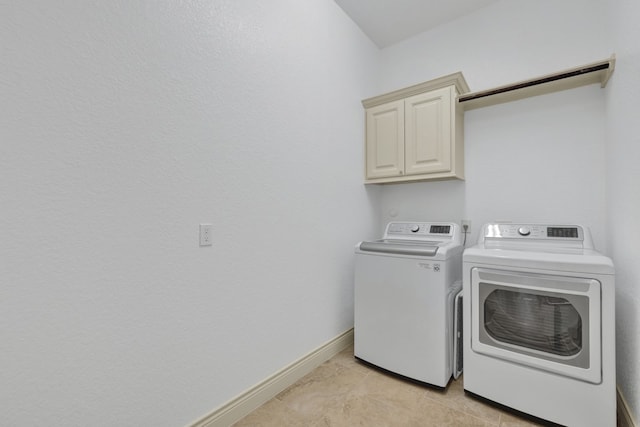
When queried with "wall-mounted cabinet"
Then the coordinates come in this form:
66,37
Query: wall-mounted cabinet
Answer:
416,133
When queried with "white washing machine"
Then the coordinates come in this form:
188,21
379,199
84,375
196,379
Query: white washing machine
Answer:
539,323
405,286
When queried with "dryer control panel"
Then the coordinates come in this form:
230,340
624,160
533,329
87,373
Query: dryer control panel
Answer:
533,231
575,236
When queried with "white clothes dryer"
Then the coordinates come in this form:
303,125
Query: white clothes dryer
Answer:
539,323
405,287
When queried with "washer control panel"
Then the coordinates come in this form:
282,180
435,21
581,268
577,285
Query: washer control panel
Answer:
533,231
400,230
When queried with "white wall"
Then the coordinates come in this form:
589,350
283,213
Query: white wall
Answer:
125,125
539,159
623,191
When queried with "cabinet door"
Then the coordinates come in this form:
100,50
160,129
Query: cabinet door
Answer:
385,140
428,132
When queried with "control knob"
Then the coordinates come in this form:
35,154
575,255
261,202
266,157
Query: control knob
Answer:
524,231
415,228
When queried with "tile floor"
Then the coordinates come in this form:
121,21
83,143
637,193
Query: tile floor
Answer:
344,392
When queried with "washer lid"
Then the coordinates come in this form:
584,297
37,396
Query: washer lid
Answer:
436,240
401,247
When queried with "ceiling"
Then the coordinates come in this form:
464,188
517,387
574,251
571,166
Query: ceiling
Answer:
389,21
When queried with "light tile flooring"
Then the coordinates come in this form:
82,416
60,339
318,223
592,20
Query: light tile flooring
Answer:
344,392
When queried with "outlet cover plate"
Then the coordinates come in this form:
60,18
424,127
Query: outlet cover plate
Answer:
205,234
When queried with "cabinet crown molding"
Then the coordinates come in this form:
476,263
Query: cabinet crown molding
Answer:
455,79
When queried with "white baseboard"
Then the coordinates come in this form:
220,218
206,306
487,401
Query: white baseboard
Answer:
624,415
253,398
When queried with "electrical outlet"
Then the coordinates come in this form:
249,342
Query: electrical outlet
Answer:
205,234
466,225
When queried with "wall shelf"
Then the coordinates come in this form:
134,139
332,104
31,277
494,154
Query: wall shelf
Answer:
597,72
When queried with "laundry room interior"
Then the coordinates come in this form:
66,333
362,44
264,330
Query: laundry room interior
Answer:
129,124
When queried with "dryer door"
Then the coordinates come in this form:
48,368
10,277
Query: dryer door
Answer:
548,322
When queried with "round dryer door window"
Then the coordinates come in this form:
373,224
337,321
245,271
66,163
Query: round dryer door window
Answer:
548,322
545,323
